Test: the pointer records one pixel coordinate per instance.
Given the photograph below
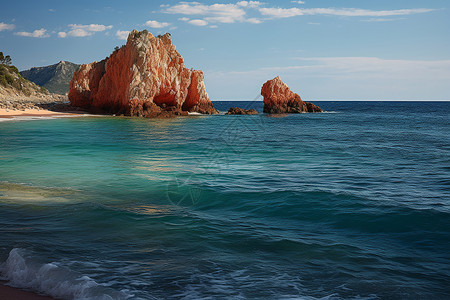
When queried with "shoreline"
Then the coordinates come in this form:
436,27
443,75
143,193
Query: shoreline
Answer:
34,112
8,292
11,113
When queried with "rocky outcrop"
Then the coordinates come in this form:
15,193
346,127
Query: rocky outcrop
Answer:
146,77
241,111
278,98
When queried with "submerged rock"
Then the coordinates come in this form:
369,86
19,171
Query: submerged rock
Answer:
146,77
241,111
278,99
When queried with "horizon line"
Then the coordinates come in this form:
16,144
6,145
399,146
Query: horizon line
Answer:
349,100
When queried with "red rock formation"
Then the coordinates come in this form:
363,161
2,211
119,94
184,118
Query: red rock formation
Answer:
278,98
146,77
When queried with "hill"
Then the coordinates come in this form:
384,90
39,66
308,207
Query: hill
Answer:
17,92
54,78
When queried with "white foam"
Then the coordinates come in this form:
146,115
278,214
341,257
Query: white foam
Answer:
52,279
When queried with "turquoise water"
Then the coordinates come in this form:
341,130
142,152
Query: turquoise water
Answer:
353,203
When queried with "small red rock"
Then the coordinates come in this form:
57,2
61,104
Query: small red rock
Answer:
279,99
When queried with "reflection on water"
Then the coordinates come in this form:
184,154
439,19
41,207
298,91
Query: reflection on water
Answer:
150,127
156,164
13,193
149,209
277,115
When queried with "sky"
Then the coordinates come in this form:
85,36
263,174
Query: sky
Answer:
323,49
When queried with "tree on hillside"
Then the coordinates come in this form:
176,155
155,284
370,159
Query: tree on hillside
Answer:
5,60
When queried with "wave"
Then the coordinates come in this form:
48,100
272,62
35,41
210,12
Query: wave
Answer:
22,271
196,114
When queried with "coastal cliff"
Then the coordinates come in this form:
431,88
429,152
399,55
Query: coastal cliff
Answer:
278,98
146,77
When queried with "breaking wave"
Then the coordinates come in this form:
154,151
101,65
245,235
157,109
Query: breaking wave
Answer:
22,271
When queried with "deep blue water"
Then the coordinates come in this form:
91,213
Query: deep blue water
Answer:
353,203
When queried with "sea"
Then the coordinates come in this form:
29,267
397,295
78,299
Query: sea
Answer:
351,203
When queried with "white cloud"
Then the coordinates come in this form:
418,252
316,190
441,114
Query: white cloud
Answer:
52,10
4,26
122,34
198,22
79,30
90,27
382,19
244,11
213,26
156,24
217,13
253,20
249,3
38,33
277,12
80,33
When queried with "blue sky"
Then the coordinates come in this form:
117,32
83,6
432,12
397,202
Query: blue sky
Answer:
323,49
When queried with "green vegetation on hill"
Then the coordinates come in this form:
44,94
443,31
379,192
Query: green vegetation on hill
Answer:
11,78
5,60
55,77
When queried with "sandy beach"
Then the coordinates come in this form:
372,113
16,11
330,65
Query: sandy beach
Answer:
10,293
11,113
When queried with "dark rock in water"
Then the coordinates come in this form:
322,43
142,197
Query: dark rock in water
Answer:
241,111
146,77
54,78
278,99
151,110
